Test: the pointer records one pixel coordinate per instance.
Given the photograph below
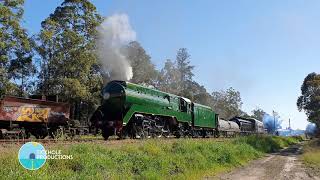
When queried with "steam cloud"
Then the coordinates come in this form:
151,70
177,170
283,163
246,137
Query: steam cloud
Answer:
311,129
270,124
114,33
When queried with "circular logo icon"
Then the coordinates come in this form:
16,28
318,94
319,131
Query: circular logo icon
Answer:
32,155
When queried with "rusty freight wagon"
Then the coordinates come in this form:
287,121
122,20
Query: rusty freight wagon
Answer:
27,117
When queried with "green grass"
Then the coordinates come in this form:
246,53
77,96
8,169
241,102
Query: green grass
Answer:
311,154
151,159
269,144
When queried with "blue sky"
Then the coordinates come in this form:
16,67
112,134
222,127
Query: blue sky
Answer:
264,49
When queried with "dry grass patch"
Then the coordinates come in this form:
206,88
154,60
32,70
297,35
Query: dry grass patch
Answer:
311,155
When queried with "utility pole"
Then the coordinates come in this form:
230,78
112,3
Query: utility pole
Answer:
289,124
274,121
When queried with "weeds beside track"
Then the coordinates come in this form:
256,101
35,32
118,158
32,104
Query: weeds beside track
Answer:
147,159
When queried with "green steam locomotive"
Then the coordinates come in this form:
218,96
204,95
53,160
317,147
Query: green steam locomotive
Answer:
139,112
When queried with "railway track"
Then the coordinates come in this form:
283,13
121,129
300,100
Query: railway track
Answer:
46,141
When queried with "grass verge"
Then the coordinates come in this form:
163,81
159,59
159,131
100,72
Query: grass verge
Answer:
311,155
151,159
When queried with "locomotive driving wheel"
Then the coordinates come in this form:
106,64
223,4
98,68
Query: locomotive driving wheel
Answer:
138,127
141,129
149,127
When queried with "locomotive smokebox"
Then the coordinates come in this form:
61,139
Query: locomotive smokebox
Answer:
108,116
114,96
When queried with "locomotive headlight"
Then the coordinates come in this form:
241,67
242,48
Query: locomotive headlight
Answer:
106,96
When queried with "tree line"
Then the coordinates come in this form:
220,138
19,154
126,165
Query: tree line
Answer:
61,60
309,100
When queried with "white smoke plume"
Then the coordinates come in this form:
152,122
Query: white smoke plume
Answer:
311,129
270,123
114,33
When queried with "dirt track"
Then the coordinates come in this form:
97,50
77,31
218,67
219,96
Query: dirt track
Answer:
280,166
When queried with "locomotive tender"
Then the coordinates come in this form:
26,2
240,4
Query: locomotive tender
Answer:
138,112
